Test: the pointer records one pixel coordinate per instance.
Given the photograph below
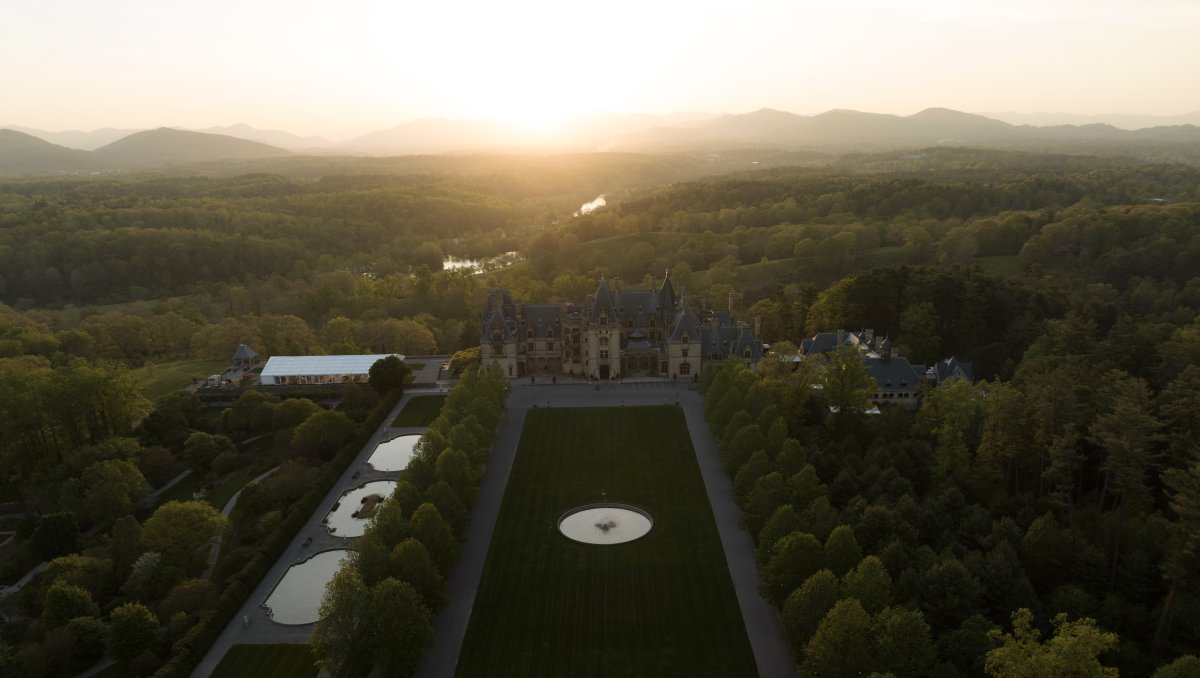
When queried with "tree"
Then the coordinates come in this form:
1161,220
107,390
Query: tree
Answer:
124,545
323,434
133,630
431,529
189,597
110,489
410,562
402,627
870,583
1182,562
782,522
793,559
1073,651
64,602
455,469
805,607
388,374
902,643
181,527
841,550
848,387
56,534
201,449
342,640
292,412
919,332
1187,666
836,649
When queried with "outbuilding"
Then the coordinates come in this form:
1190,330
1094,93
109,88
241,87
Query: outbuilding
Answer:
320,369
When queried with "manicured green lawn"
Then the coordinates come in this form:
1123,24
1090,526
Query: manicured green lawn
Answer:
420,411
660,606
161,379
267,661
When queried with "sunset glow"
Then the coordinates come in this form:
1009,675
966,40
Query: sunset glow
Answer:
313,69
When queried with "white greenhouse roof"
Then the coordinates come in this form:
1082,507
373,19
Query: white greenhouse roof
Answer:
317,365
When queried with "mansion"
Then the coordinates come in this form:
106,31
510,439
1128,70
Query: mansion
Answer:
614,333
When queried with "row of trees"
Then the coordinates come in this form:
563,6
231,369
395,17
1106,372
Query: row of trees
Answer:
1050,502
378,609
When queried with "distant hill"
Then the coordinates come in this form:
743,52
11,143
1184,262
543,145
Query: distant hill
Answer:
86,141
22,153
172,146
1125,121
854,130
272,137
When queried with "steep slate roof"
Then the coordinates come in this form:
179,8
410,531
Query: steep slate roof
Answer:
499,313
603,303
244,352
952,368
539,318
893,374
745,340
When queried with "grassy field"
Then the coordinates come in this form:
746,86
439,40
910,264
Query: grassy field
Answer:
267,661
166,378
660,606
419,411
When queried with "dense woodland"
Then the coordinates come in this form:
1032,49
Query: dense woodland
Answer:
1064,482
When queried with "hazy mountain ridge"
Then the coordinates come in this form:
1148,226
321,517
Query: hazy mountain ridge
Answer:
835,131
22,153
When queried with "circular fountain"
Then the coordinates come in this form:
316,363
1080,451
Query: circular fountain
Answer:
605,524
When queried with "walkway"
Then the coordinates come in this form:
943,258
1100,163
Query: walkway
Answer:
762,625
214,545
261,628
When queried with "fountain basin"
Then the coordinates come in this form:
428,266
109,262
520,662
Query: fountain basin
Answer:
296,599
394,454
605,524
346,519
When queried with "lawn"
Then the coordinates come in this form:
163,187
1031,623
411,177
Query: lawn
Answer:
661,605
419,411
267,661
163,379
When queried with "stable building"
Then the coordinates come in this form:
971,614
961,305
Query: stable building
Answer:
319,369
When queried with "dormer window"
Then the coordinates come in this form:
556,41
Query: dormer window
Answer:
528,334
603,319
685,338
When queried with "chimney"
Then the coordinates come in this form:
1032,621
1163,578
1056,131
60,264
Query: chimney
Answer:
731,302
757,327
868,335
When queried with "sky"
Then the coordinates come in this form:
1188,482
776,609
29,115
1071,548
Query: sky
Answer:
344,68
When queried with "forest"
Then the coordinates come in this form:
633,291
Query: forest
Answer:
1056,498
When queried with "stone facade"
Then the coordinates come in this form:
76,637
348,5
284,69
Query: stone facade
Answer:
613,333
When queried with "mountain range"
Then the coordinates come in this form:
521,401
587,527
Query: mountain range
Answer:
26,151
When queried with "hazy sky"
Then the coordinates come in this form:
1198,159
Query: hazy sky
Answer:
340,68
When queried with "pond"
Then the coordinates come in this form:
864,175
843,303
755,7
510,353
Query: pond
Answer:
394,454
297,597
451,263
347,518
